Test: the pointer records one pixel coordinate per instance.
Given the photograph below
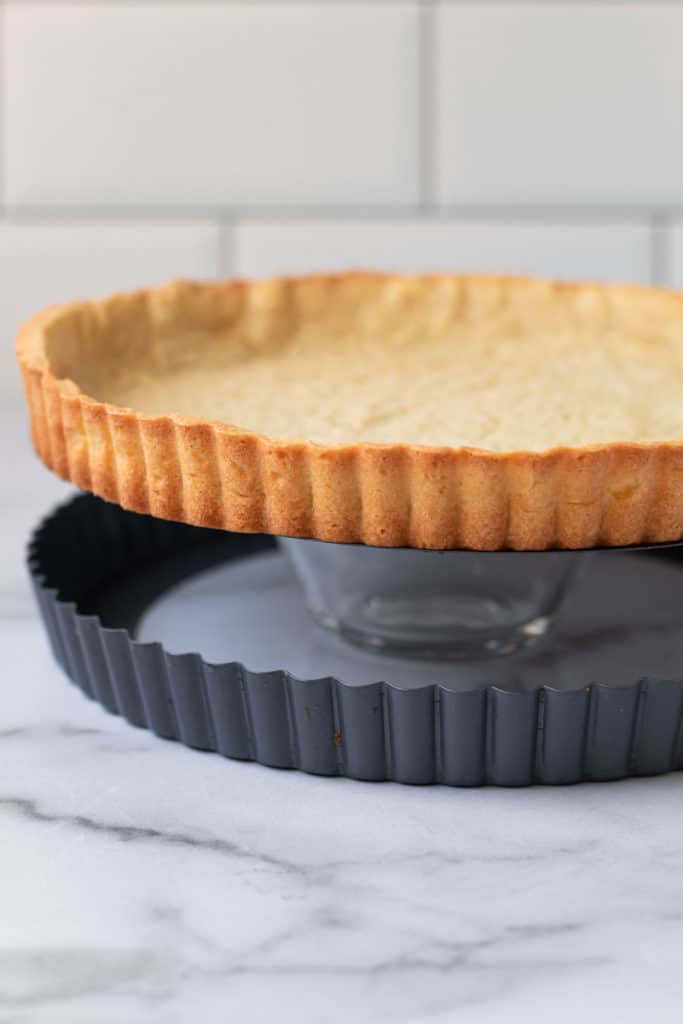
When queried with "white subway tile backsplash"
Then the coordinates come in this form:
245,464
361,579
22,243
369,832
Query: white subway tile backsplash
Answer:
314,124
601,250
47,263
560,102
199,105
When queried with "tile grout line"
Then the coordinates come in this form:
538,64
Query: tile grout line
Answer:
128,5
533,3
3,109
542,213
660,250
227,261
426,104
215,3
338,3
236,248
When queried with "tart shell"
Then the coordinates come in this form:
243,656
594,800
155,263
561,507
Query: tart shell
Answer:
212,474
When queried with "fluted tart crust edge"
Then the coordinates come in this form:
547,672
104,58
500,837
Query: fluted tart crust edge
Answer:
208,473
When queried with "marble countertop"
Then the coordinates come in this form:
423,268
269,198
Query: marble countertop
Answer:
143,882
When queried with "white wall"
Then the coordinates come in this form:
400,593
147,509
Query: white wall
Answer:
142,141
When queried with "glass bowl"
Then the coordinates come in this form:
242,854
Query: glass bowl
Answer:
433,604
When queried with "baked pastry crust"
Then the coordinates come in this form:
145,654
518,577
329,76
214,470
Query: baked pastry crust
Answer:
210,473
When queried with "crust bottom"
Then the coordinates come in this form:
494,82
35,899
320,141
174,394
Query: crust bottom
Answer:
208,474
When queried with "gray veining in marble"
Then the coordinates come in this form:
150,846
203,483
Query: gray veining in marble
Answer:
144,882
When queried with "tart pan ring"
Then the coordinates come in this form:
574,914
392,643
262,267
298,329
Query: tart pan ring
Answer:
80,556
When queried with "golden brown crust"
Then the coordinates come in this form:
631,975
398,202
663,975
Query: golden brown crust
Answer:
212,474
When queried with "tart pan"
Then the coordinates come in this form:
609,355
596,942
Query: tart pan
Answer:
80,558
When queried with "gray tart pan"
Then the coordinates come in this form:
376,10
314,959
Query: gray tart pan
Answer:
80,559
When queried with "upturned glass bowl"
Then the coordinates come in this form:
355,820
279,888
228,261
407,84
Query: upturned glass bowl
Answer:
433,604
